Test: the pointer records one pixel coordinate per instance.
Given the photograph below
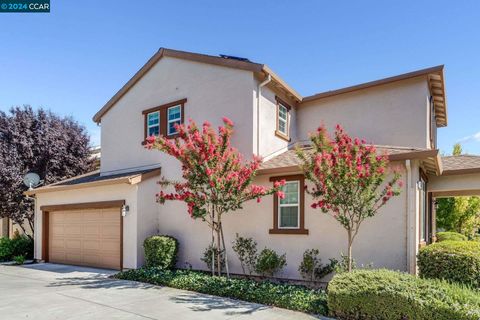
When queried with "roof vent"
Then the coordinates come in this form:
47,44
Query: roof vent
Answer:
225,56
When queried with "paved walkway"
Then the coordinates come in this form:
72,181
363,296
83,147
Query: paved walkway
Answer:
49,291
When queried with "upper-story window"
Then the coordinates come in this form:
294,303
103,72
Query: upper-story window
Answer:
289,212
433,125
283,120
161,120
174,115
153,123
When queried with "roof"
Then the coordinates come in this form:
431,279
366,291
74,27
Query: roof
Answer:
288,161
259,69
435,78
94,178
462,164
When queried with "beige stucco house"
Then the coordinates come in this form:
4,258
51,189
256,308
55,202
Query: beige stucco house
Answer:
101,219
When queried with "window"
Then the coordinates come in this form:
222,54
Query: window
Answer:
153,123
283,120
161,120
174,115
289,207
289,212
433,125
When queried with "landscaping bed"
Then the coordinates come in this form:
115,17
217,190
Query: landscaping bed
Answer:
293,297
384,294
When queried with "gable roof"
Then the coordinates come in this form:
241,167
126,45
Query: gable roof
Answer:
289,161
94,179
260,70
436,83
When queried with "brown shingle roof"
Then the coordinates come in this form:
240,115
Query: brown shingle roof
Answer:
462,164
289,159
94,178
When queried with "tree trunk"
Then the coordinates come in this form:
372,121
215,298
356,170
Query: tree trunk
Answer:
350,240
219,252
225,251
213,243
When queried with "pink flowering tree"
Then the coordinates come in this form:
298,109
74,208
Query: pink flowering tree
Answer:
349,179
216,179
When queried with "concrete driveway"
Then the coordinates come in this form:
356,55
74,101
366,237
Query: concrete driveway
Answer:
50,291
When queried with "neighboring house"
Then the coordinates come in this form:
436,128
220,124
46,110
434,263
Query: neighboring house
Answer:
102,218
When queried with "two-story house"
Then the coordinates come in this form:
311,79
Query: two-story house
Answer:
102,218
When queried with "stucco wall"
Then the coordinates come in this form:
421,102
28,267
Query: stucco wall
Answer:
382,240
270,144
392,114
212,92
105,193
458,182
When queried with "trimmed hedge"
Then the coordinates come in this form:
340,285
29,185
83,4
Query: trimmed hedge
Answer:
384,294
161,251
457,261
291,297
450,236
18,246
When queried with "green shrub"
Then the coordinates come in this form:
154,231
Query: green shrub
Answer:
450,236
161,251
22,246
207,258
6,249
246,250
384,294
290,297
311,267
457,261
19,259
270,262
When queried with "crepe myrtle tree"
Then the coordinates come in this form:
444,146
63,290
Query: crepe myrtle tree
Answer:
349,179
216,179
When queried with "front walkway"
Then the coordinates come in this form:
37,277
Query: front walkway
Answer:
49,291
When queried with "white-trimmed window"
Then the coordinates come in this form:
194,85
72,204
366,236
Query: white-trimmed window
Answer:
174,116
153,123
283,119
289,207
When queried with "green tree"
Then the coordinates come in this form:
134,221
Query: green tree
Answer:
457,149
459,214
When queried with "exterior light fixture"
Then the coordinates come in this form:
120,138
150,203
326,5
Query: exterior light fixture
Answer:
125,209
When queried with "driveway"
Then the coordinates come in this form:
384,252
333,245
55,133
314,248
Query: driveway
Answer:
50,291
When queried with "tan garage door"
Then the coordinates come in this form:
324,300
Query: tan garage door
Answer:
85,237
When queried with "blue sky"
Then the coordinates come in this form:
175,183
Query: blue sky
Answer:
75,58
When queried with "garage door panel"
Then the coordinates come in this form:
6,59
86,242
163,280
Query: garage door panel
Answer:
86,237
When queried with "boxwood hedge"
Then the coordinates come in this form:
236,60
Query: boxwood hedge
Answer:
450,236
286,296
455,261
161,251
384,294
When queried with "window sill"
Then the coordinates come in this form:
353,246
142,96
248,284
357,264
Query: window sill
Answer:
422,244
288,231
144,142
282,136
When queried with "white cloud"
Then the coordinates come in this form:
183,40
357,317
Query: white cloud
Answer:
471,138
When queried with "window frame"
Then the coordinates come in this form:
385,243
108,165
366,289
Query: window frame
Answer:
424,211
152,126
278,133
276,207
163,119
175,120
288,205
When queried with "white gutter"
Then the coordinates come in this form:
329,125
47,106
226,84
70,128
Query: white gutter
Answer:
259,89
411,252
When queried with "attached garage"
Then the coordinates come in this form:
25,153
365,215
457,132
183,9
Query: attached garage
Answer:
86,234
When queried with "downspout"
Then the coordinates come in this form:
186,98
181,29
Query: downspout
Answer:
259,89
410,220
